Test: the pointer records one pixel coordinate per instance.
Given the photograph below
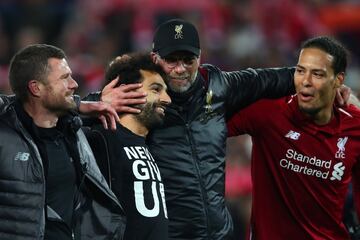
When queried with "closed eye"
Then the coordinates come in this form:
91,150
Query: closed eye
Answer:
65,76
156,88
318,74
189,61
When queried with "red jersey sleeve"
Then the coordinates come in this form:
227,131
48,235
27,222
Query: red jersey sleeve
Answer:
251,119
356,169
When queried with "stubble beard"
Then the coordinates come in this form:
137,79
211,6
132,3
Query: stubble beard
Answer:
181,89
60,106
148,115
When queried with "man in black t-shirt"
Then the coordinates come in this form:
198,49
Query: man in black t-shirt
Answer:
123,156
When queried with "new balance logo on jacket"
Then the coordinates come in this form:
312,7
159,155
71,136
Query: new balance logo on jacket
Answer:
22,156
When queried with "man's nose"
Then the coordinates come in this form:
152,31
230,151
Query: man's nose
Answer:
73,84
165,98
180,66
306,81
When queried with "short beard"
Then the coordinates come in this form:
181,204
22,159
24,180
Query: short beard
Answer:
183,88
148,116
61,109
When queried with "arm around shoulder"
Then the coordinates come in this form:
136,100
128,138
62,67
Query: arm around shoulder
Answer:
250,85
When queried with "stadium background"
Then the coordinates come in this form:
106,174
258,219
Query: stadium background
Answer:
235,34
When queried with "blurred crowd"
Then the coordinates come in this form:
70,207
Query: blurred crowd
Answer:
235,34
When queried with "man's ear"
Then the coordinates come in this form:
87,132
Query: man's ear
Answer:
340,78
199,57
154,57
34,88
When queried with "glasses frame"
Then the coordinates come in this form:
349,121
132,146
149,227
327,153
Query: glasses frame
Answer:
180,60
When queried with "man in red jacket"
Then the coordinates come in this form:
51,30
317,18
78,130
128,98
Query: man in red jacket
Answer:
305,151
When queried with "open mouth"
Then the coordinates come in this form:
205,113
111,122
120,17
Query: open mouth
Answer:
305,97
160,110
70,96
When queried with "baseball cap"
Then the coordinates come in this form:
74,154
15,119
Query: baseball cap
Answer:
176,35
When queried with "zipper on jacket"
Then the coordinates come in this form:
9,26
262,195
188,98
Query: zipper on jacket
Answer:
78,193
202,188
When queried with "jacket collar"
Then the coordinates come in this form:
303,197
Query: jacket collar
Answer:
26,120
66,124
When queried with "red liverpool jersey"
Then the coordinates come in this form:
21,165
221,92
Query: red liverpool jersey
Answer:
300,170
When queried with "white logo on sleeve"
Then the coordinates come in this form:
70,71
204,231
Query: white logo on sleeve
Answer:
293,135
341,147
22,156
338,171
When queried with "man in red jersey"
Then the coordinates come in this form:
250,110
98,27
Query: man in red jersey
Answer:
305,151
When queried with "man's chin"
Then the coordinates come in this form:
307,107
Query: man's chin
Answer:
309,110
66,109
180,88
72,105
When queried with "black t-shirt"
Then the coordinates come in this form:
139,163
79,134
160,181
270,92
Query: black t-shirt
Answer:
60,184
136,181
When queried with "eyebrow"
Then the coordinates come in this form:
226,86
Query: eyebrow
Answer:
312,70
299,66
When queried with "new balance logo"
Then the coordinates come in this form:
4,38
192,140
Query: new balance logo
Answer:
293,135
338,171
22,156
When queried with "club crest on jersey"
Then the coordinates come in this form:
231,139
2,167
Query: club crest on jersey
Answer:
178,31
209,96
340,153
209,111
293,135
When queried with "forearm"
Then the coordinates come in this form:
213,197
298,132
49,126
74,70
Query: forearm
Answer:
250,85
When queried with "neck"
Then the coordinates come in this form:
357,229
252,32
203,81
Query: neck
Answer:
325,114
131,123
322,117
41,116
